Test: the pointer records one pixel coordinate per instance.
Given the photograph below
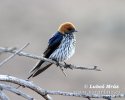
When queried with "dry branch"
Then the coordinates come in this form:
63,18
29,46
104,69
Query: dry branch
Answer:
26,54
14,54
16,91
25,83
44,92
2,95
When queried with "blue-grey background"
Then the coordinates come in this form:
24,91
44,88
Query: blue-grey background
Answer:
100,41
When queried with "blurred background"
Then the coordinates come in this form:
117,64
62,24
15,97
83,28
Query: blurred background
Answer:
100,41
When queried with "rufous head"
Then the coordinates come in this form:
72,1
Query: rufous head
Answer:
66,28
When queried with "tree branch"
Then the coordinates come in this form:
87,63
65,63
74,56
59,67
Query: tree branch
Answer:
27,84
14,54
26,54
44,92
2,95
16,91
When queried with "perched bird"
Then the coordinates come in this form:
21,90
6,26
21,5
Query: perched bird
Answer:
60,48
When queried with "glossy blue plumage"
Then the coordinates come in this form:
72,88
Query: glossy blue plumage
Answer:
55,39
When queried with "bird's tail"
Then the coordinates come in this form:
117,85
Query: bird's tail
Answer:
39,68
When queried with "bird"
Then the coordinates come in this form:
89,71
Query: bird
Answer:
61,46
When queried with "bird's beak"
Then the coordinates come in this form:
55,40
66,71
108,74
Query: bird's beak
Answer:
75,31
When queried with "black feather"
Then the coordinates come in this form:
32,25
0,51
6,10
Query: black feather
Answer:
54,43
41,70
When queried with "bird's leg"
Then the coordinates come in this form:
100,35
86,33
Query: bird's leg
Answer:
57,63
63,70
67,65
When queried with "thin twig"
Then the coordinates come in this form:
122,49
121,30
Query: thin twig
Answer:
10,49
16,91
10,57
69,66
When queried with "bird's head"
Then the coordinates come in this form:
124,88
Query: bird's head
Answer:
66,28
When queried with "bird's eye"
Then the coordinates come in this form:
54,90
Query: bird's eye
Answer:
69,29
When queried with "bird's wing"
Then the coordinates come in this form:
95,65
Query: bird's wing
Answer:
37,70
54,43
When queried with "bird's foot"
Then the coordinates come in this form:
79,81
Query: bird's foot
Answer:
57,63
67,65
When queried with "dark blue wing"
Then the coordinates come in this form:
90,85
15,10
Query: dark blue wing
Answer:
54,43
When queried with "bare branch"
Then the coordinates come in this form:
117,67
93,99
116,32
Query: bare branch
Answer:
16,91
83,95
10,49
10,57
27,84
2,95
44,93
48,60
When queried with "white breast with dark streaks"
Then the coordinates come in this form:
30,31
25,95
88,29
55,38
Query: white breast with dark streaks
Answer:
66,48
